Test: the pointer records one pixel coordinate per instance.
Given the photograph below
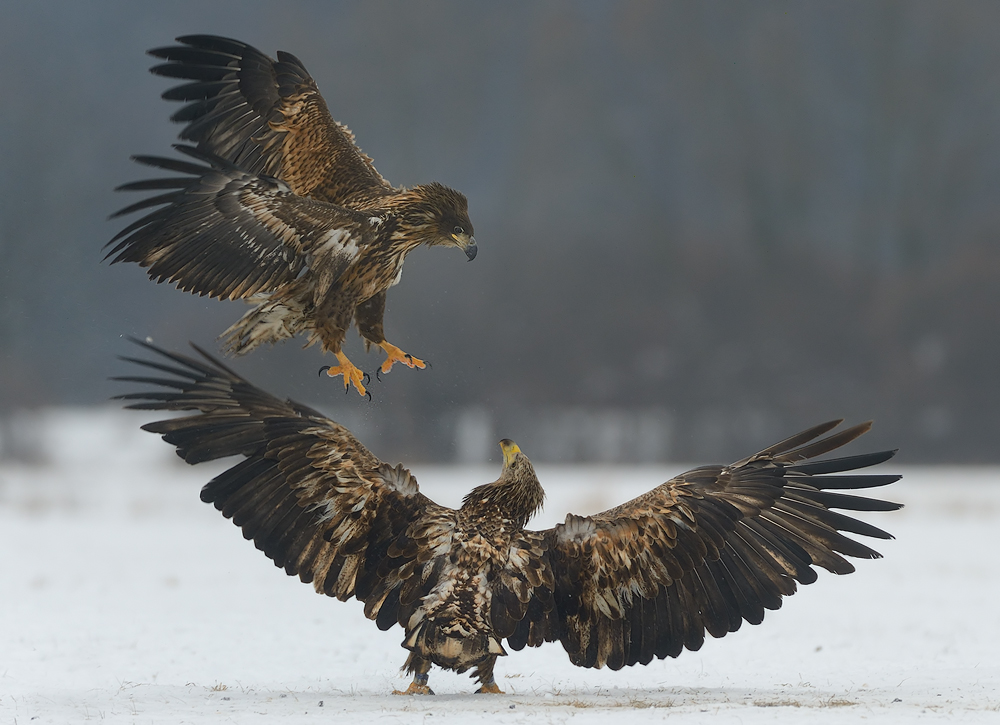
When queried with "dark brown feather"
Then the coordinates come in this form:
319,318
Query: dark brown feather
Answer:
708,549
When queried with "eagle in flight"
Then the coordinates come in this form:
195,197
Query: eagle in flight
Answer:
700,553
277,206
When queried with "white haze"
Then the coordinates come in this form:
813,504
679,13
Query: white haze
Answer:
127,600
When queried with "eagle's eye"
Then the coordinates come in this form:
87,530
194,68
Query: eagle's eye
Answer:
459,230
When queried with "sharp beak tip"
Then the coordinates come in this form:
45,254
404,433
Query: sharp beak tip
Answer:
471,250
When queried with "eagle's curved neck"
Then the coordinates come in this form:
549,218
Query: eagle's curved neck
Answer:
512,499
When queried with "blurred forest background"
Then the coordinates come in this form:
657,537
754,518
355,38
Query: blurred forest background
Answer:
702,226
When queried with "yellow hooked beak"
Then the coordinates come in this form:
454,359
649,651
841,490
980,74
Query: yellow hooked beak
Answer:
509,448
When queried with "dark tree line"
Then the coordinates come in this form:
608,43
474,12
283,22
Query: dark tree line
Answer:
700,226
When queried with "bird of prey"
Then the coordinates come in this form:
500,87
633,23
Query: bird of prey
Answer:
279,207
700,553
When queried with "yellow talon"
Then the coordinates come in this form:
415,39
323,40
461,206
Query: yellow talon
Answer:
395,355
490,689
352,375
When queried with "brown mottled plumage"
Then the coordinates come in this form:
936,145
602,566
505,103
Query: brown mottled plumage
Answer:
284,210
701,553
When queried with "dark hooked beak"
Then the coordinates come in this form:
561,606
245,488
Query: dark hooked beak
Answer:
471,249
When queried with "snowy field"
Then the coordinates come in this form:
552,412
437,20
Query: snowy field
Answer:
124,599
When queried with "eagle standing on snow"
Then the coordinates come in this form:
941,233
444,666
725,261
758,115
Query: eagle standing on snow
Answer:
284,210
702,552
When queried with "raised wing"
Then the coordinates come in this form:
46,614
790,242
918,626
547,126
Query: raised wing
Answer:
265,116
702,552
224,232
307,492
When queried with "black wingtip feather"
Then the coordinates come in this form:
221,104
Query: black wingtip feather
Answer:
800,438
842,482
214,42
839,465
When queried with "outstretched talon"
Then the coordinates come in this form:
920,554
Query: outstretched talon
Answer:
490,688
395,355
352,375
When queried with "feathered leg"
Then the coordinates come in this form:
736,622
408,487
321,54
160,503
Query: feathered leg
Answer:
484,673
419,667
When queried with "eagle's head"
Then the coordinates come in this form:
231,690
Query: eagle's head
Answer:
439,216
516,495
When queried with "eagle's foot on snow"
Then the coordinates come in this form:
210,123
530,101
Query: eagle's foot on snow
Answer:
417,687
484,670
352,375
395,355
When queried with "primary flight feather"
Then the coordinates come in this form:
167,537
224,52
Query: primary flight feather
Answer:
279,206
703,552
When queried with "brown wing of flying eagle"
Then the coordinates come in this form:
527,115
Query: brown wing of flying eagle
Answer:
703,552
279,208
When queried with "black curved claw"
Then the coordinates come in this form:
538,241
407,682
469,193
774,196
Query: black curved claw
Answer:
378,374
409,357
323,369
368,394
366,379
428,363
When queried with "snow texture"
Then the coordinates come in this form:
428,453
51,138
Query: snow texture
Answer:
126,600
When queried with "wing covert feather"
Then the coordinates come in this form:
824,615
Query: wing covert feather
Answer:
230,234
266,116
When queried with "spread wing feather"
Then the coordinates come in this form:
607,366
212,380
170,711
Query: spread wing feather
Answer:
265,116
701,553
230,234
307,493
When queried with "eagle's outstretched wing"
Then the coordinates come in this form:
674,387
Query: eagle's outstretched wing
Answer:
224,232
265,116
702,552
307,492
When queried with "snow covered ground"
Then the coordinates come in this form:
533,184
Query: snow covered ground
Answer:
124,599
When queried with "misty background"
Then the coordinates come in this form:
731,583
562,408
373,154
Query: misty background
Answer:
701,226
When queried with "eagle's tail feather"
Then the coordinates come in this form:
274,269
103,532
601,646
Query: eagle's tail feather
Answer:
430,640
269,322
